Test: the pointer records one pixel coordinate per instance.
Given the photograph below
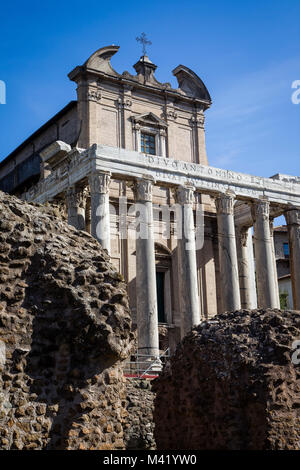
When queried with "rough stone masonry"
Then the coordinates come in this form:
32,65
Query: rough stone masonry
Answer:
232,384
64,331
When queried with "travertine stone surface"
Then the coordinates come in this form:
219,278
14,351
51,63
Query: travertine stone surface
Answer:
231,384
64,331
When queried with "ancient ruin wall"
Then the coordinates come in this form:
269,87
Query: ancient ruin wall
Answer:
64,330
139,425
232,385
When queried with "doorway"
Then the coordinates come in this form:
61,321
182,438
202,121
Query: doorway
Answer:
160,289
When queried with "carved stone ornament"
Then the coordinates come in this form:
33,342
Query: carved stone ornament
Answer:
76,196
136,126
82,195
94,95
271,222
99,182
225,203
184,194
124,103
242,233
260,209
127,103
292,217
198,120
143,190
171,114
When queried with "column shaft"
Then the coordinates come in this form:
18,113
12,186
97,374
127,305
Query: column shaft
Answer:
265,273
100,219
187,263
276,286
229,274
147,317
246,267
76,199
293,222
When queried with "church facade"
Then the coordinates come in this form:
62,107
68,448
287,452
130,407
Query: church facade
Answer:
130,144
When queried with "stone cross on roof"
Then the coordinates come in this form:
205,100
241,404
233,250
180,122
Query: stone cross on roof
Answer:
143,40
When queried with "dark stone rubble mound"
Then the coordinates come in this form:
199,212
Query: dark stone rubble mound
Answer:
233,383
65,328
139,426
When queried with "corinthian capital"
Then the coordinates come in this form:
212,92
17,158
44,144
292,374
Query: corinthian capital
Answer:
225,203
143,189
76,196
184,194
99,182
260,209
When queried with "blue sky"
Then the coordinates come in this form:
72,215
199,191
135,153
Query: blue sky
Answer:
246,52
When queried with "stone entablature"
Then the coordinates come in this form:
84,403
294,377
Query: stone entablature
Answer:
165,171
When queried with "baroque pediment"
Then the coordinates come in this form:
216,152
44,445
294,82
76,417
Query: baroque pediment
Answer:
189,84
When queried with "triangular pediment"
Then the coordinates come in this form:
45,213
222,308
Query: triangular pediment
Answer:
149,119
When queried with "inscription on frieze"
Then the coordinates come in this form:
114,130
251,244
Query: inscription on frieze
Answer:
131,165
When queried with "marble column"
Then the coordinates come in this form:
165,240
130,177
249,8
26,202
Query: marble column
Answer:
187,263
146,295
246,267
274,262
100,219
76,200
229,274
293,222
265,273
